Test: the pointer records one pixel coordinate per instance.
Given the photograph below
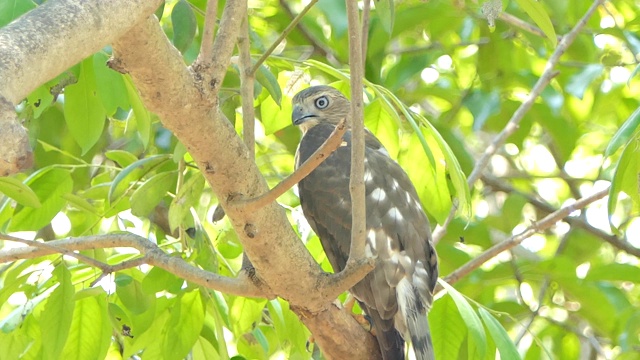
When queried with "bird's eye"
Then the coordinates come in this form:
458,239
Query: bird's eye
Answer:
322,102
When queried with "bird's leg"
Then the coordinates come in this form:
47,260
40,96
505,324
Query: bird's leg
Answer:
362,319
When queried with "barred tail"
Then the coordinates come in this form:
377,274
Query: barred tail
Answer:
414,314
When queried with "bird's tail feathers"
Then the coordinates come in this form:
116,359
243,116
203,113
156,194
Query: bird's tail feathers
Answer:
389,339
414,315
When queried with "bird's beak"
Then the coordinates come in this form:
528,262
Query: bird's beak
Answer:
299,115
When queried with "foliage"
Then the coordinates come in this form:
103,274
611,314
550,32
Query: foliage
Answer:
441,82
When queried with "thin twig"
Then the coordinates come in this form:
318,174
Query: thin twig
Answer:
206,47
320,48
543,224
55,249
240,286
234,12
612,239
541,295
246,88
356,181
336,284
321,154
523,25
513,124
366,17
282,36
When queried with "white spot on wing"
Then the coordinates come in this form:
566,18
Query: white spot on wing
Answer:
395,213
417,205
394,185
371,238
368,176
378,194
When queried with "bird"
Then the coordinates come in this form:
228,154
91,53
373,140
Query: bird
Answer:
397,294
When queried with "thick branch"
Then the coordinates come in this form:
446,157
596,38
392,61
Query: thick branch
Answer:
153,255
36,48
511,127
321,154
543,224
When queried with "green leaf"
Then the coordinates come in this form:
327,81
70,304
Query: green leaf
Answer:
83,110
55,320
187,197
244,313
625,179
135,172
536,11
159,279
500,337
12,9
275,116
19,192
482,105
160,11
187,319
140,112
580,82
184,25
49,185
151,192
131,294
90,333
378,120
477,338
624,133
614,272
110,84
204,350
123,158
385,11
447,328
40,99
270,82
81,203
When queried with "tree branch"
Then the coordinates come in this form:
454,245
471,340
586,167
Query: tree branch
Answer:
246,89
55,249
282,36
543,224
521,24
232,17
548,74
366,16
318,47
205,57
356,181
321,154
152,255
15,152
35,36
573,221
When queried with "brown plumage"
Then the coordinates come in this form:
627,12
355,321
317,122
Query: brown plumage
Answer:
397,294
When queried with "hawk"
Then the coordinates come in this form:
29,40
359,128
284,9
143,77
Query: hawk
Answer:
398,292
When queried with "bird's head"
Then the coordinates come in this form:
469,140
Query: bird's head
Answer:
318,104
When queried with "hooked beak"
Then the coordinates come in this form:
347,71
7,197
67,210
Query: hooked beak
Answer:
298,116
